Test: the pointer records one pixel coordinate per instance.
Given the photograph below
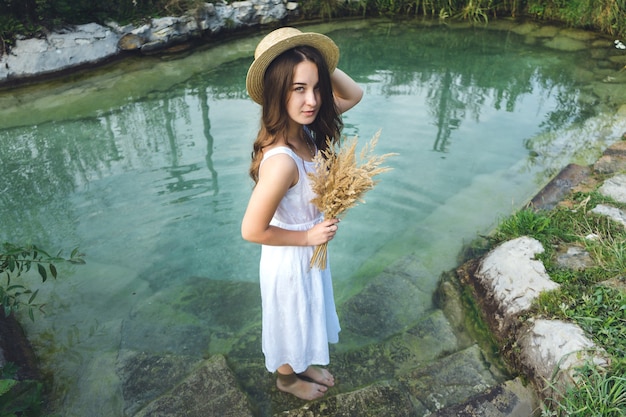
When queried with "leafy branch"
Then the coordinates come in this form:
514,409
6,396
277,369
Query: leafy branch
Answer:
15,262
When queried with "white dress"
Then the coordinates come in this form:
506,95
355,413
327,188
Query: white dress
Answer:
299,315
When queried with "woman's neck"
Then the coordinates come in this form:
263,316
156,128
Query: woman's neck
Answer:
299,141
294,132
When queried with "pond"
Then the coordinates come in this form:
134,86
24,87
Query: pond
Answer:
143,165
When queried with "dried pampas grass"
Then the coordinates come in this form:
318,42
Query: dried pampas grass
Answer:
340,181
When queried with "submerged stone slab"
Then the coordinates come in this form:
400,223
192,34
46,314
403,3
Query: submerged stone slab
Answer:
544,31
510,399
579,34
423,343
451,380
416,392
565,43
553,193
211,390
552,349
95,389
389,303
144,377
192,316
526,28
381,399
613,160
512,276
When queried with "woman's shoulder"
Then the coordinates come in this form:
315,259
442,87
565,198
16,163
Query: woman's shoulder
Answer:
280,156
279,149
279,163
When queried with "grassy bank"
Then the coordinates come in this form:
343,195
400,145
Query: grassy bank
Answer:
594,296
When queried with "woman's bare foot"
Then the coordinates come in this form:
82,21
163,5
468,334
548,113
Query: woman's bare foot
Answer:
300,388
319,375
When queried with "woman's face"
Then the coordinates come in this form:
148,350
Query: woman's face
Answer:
304,100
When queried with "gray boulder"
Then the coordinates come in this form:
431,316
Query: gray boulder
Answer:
615,187
552,350
84,44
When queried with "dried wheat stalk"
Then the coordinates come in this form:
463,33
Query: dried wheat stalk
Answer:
340,181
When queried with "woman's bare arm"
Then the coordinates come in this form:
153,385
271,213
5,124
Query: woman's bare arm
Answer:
347,92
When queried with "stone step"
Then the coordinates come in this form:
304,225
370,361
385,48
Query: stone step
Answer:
509,399
457,382
209,390
409,374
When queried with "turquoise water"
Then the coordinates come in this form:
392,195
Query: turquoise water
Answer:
143,165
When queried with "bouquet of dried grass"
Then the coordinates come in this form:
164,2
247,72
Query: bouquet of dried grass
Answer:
340,181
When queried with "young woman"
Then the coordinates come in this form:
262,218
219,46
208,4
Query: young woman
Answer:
302,93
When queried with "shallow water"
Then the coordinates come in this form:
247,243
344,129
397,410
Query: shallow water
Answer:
142,164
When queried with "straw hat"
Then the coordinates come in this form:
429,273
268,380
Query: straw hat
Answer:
277,42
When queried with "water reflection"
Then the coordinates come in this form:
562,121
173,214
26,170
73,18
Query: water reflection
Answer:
464,71
149,177
190,180
448,111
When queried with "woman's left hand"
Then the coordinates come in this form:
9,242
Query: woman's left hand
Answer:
322,232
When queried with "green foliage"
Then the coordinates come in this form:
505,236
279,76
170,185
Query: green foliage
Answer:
6,385
15,263
475,11
527,222
607,16
9,371
597,394
599,310
327,9
21,398
9,27
24,397
18,398
537,9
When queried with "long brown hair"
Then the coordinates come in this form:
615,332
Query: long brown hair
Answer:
277,85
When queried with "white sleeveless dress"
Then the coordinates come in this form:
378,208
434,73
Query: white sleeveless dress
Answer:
299,315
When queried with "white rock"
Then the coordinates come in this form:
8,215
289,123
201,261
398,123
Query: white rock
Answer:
553,349
60,50
612,212
615,188
514,276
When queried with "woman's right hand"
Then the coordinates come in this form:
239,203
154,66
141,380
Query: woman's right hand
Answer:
322,232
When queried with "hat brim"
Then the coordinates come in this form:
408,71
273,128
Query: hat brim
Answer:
256,72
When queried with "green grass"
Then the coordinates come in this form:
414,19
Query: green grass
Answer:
597,394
